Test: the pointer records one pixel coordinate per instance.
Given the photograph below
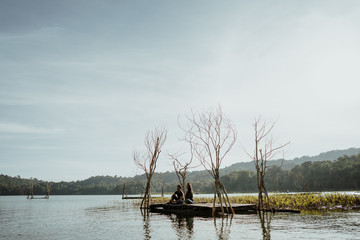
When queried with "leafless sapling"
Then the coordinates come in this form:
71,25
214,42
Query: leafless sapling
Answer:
154,141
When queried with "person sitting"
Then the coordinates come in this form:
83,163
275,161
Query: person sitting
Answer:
178,196
189,194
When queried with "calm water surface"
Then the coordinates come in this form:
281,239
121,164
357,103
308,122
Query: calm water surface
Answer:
110,217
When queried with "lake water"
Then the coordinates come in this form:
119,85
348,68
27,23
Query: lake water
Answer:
110,217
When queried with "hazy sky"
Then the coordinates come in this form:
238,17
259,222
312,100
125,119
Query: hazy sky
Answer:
81,81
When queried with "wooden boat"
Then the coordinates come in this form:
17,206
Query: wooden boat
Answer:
136,197
205,209
200,209
32,197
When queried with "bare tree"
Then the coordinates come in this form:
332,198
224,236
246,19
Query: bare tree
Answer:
154,141
48,189
124,190
211,137
265,150
181,167
31,190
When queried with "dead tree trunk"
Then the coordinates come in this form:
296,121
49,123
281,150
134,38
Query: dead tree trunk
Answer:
264,151
123,191
31,191
48,189
154,141
211,137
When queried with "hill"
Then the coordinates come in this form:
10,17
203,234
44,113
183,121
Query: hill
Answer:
289,164
239,177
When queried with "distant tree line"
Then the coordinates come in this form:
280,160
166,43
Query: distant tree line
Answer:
342,174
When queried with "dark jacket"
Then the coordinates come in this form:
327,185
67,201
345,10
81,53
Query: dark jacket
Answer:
189,195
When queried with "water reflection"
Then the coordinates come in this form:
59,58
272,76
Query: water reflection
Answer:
265,220
146,224
183,225
223,231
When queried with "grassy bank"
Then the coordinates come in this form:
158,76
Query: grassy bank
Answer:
301,201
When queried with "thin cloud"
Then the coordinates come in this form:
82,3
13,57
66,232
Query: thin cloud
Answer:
25,129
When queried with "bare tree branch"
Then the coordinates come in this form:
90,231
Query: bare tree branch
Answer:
211,137
154,141
264,151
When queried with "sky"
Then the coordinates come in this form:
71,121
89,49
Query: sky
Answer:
81,82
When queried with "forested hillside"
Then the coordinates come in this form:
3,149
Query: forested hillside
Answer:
340,175
289,164
316,175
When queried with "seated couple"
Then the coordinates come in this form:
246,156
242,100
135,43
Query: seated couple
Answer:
178,196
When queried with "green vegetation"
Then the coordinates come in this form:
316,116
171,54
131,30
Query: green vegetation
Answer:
316,201
342,174
94,185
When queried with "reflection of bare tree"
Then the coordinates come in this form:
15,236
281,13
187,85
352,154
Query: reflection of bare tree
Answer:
223,232
183,226
189,227
265,219
146,224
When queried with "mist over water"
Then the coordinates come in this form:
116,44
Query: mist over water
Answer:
110,217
